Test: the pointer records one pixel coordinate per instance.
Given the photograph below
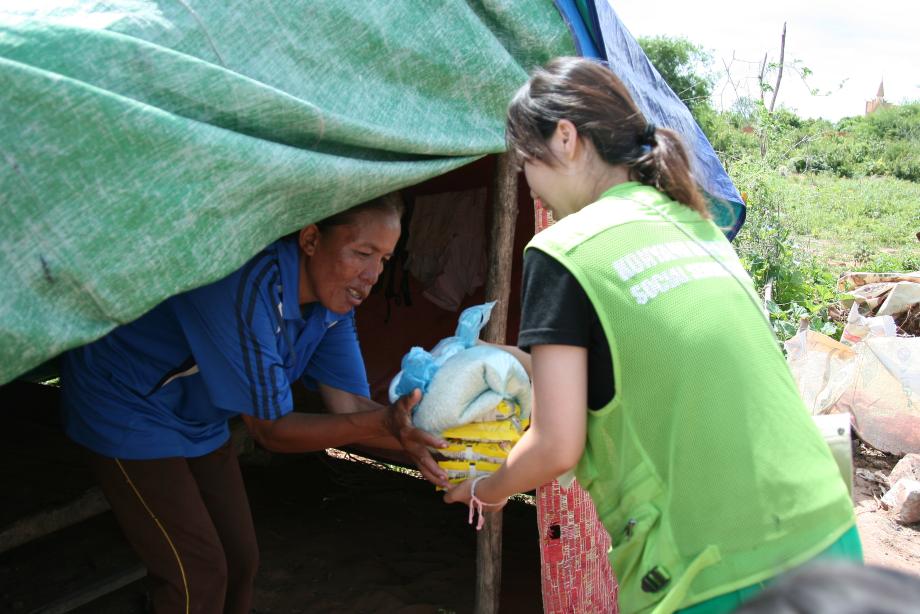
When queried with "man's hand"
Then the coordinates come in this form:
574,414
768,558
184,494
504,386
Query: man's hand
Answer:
414,441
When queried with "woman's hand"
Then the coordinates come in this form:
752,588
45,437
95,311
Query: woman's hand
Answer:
463,493
415,442
459,493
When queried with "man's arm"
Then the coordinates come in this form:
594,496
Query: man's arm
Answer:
405,438
354,420
338,401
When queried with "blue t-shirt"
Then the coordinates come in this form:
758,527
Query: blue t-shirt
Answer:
165,384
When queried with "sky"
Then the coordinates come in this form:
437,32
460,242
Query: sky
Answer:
844,41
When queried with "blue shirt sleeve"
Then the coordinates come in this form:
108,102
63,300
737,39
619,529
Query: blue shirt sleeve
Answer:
337,361
231,330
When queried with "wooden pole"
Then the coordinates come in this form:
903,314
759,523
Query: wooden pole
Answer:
498,288
501,247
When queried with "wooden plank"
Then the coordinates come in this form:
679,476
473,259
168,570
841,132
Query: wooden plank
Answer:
498,288
93,591
91,503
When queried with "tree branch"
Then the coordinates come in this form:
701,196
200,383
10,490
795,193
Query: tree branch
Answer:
779,74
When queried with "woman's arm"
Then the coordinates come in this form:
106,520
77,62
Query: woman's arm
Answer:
556,437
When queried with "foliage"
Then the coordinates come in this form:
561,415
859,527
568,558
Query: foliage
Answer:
800,285
731,135
867,223
803,231
885,143
685,68
743,111
822,197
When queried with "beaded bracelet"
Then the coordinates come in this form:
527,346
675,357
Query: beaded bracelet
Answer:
477,504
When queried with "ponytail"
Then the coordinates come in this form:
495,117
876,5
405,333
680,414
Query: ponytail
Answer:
662,163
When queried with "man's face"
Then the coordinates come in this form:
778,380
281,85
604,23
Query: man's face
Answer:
342,263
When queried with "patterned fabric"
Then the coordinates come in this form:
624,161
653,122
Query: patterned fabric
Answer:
575,572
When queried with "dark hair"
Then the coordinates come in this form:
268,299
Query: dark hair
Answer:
837,588
597,103
389,203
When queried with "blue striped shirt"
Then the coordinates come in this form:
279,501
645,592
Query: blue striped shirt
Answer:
166,384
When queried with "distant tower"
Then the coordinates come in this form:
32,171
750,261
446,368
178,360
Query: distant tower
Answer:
879,101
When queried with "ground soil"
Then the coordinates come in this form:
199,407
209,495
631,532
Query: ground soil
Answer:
335,535
886,541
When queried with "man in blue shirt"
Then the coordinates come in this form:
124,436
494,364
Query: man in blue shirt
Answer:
151,400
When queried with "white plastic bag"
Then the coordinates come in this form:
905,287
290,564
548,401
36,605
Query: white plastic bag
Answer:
877,380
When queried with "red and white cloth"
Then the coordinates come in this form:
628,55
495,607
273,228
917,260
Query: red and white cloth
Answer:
575,574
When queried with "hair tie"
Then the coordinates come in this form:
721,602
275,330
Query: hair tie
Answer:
648,136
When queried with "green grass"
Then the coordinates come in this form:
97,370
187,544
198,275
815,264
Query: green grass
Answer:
866,224
803,231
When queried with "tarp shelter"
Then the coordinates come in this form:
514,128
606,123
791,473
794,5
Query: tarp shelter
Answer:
150,147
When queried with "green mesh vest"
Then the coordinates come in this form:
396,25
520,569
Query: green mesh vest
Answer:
705,467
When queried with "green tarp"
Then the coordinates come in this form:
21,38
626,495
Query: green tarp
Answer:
151,147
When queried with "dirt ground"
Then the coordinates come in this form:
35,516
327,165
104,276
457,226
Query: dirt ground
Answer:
886,542
335,535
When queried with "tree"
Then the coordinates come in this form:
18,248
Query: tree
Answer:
684,65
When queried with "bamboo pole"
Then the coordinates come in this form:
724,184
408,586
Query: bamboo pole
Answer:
498,288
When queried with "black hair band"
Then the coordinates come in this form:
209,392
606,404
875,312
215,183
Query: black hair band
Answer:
648,135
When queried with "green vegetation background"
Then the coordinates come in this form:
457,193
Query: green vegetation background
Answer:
823,197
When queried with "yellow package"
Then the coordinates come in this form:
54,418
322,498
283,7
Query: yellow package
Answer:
479,448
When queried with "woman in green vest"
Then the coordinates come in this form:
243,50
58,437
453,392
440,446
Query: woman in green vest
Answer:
656,375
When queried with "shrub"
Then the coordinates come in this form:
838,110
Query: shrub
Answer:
801,285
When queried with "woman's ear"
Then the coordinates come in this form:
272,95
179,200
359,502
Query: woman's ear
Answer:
308,238
565,140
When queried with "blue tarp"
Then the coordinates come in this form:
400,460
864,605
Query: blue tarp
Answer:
600,34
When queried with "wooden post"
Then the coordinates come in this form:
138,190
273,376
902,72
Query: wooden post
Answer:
498,284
